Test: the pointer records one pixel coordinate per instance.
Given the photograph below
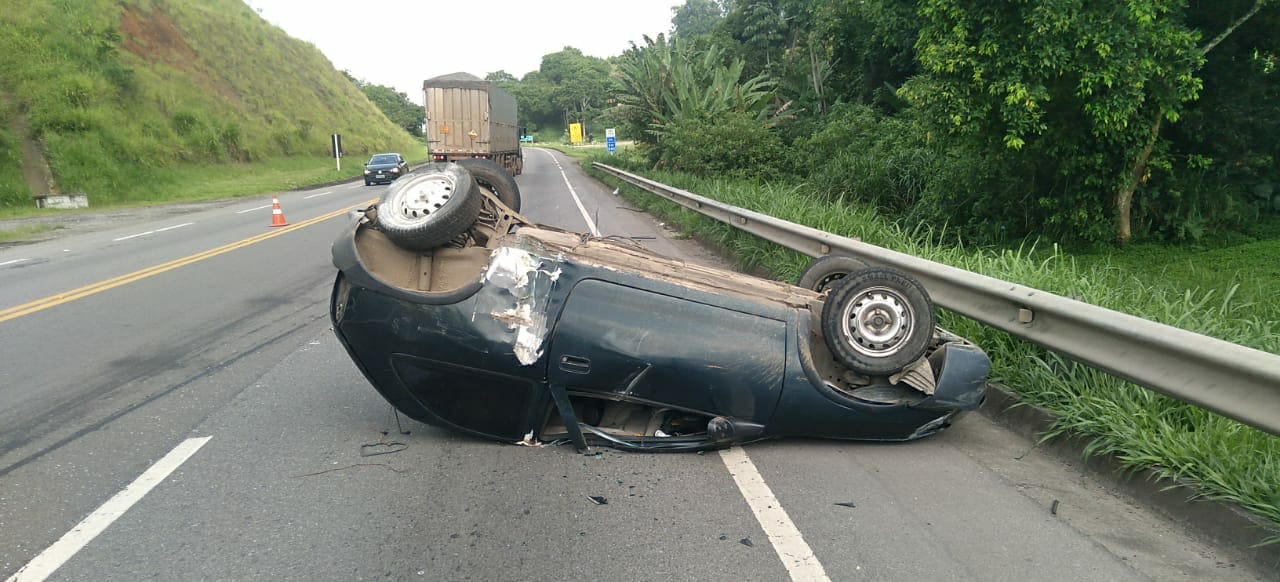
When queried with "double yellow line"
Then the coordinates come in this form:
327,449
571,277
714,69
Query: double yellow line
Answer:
69,296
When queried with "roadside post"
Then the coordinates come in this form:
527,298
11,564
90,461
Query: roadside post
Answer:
336,142
610,140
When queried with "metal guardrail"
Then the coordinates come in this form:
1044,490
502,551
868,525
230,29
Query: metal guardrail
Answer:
1235,381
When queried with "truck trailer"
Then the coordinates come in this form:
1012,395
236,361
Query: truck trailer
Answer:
469,117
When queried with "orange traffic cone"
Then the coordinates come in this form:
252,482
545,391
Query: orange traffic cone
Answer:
277,215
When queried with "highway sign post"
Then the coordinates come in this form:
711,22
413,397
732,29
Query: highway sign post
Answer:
336,142
610,140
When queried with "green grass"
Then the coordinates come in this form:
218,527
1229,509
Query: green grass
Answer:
1248,271
24,232
1223,458
596,150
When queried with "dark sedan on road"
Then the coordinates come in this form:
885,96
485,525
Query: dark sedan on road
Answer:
384,169
465,315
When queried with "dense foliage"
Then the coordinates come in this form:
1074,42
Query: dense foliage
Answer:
1080,121
113,93
394,104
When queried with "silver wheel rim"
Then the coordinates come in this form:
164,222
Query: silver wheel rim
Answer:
423,196
877,321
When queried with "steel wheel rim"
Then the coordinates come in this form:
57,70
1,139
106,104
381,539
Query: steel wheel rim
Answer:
422,197
877,321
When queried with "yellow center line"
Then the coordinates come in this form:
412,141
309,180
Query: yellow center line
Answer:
94,288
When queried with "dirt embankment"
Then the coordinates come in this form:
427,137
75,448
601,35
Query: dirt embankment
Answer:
35,170
34,167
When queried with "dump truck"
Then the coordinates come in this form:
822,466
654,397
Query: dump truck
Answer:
469,117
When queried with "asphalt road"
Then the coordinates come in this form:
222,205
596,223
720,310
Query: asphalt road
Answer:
200,331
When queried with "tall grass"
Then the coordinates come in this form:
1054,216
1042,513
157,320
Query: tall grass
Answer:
13,188
1223,458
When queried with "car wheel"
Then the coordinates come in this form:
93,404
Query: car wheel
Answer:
488,174
367,183
877,320
824,271
430,207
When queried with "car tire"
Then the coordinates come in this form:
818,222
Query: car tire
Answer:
488,174
824,271
877,320
429,207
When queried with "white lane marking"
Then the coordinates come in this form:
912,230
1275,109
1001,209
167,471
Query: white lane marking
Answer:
152,231
252,209
783,535
316,195
13,261
133,236
75,540
591,225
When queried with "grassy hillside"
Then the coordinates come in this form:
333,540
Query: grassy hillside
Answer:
120,93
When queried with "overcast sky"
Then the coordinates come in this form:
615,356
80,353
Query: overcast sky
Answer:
400,43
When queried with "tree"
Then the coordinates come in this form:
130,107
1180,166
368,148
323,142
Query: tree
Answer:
393,104
872,43
581,83
1225,148
681,101
758,30
1086,84
500,76
695,18
534,101
1139,173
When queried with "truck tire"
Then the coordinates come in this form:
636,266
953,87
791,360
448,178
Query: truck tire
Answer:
490,176
429,207
824,271
878,320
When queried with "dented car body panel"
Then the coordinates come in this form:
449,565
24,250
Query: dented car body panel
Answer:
539,335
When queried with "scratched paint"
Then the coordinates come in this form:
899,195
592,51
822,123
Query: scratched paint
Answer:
518,271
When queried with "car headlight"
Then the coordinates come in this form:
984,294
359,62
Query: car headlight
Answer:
366,172
395,170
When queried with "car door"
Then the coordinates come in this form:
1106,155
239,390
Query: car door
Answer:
627,343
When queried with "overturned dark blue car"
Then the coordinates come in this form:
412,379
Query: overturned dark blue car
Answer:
464,315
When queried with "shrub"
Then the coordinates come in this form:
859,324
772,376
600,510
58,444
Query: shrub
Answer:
732,144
